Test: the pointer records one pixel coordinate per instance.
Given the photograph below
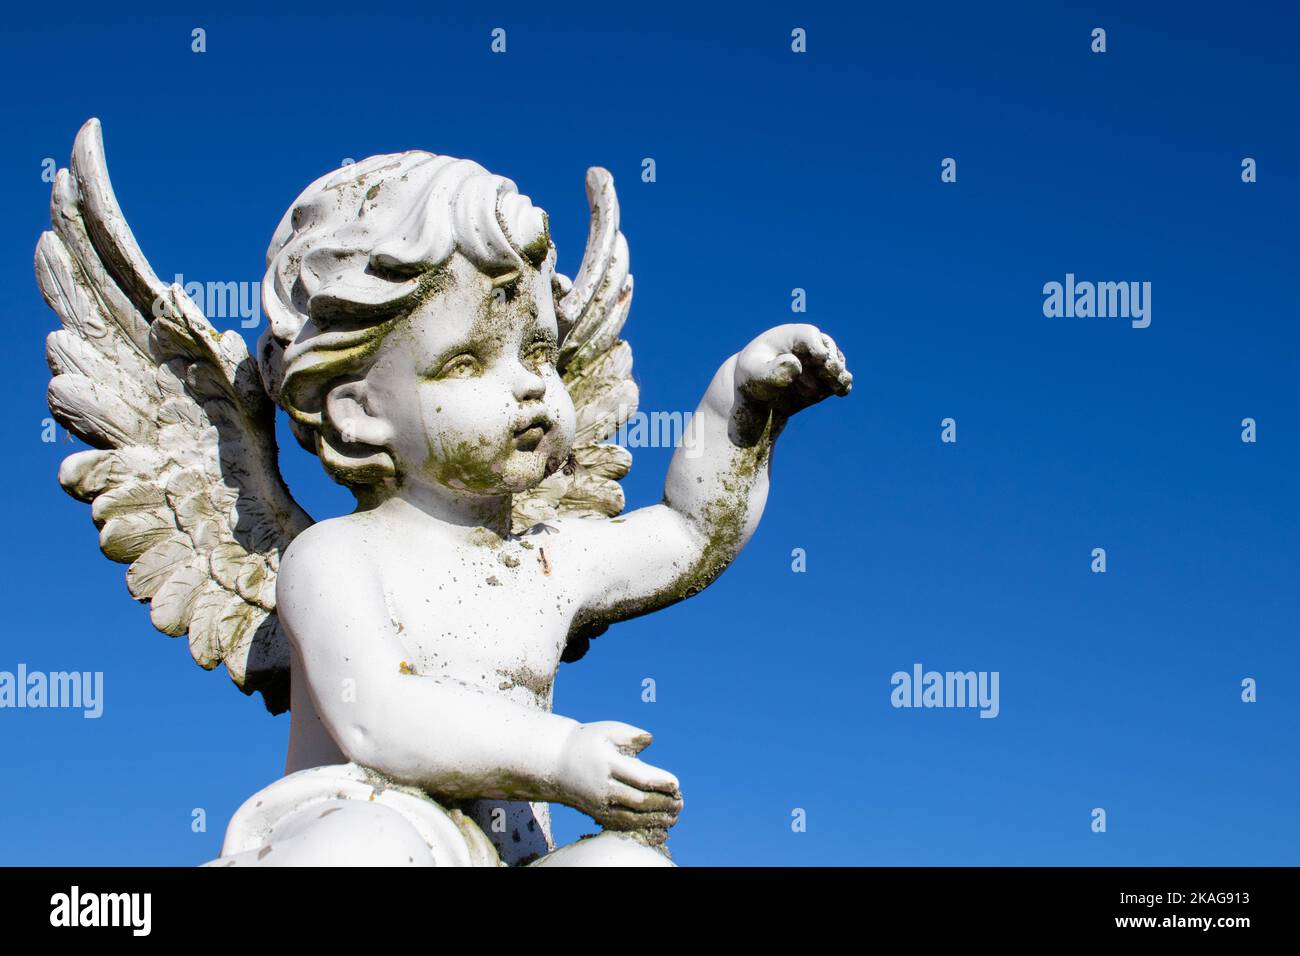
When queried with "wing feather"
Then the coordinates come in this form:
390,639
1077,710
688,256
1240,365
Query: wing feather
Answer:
184,483
597,369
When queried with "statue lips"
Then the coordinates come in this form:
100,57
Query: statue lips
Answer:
529,435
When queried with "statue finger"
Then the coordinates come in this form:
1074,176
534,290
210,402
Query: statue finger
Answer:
643,801
643,776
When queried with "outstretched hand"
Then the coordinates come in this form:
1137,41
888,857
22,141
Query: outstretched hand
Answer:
790,367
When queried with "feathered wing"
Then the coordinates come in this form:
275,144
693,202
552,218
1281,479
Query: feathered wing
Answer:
596,366
184,483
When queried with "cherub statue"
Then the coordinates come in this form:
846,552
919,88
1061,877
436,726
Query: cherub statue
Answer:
428,353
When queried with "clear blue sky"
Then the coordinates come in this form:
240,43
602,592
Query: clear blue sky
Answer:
775,171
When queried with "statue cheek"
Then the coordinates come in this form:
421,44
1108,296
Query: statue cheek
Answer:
568,422
466,465
561,405
451,412
466,445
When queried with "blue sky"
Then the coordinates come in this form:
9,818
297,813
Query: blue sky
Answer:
774,171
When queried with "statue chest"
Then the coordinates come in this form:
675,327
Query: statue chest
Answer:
497,626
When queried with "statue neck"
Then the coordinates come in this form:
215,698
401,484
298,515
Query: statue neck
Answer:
445,505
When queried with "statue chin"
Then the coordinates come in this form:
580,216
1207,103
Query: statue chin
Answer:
526,470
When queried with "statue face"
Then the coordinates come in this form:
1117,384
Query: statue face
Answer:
467,383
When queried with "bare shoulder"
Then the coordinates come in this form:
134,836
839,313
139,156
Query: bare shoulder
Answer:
574,541
597,538
326,570
581,553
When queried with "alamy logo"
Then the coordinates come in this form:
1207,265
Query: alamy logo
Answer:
71,689
223,300
75,908
658,430
948,689
1102,300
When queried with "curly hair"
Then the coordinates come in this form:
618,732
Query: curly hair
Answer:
358,250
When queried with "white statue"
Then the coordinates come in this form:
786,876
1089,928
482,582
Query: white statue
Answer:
425,349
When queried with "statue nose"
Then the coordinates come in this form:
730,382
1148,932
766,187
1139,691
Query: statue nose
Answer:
528,385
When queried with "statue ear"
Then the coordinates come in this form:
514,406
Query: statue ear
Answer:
348,415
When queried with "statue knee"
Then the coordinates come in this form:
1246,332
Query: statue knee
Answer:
608,848
344,833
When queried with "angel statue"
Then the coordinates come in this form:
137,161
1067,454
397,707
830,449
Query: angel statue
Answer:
428,353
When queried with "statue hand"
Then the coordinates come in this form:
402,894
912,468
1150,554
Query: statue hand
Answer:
600,776
791,367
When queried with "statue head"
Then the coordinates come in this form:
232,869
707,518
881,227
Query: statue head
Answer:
412,333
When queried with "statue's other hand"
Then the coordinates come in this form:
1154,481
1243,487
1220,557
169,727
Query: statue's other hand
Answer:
602,777
790,367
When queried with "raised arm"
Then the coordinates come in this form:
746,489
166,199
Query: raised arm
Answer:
443,735
717,482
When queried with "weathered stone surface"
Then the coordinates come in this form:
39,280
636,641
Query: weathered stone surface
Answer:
426,350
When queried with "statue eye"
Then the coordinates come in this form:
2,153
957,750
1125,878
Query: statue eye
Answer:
462,366
542,352
505,287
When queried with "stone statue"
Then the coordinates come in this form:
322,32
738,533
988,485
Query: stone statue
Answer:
426,350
